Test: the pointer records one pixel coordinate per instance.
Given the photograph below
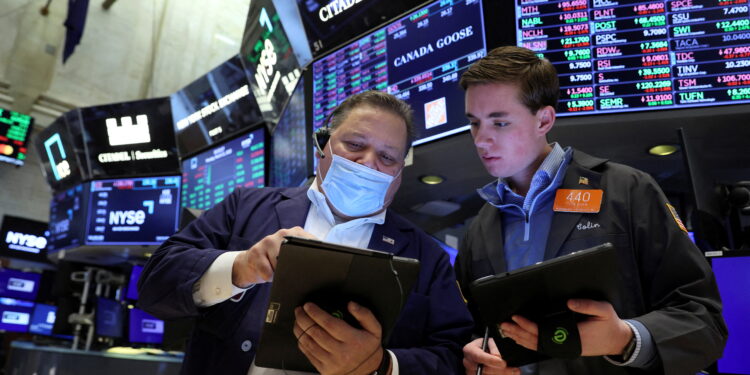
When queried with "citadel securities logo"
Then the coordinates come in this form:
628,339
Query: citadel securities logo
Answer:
128,133
333,8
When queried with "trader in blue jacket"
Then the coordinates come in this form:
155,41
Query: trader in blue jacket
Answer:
219,267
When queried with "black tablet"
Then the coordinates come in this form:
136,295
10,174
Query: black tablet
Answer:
330,275
541,291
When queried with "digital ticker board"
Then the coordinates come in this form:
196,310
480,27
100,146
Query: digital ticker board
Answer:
418,58
626,55
15,129
208,177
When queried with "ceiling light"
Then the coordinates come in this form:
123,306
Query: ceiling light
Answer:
662,150
431,179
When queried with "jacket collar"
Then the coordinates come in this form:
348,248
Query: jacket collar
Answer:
389,237
293,208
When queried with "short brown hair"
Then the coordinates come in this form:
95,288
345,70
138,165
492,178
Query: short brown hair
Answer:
536,77
380,100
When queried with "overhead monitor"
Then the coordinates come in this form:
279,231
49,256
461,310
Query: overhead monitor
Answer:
24,239
67,218
419,58
42,319
58,155
617,56
19,284
15,315
144,328
214,107
132,291
133,211
331,23
210,176
730,269
15,130
129,139
269,60
109,318
291,159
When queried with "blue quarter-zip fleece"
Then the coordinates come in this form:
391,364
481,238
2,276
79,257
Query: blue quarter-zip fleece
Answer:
527,220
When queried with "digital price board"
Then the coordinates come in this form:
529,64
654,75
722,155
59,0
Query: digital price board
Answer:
291,159
272,67
210,176
213,107
329,24
15,129
67,218
625,55
136,211
418,58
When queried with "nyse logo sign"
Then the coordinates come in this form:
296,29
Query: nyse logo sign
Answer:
25,242
62,169
128,133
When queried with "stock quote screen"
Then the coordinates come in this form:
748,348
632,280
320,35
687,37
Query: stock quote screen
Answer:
210,176
419,58
135,211
67,218
291,157
15,129
624,55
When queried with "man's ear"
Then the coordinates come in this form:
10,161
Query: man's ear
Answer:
546,117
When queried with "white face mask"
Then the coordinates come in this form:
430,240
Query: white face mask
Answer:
354,189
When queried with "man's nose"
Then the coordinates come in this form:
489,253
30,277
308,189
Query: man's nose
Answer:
368,159
483,136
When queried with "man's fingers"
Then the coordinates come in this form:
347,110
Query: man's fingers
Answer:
473,352
521,336
526,324
366,318
334,326
590,307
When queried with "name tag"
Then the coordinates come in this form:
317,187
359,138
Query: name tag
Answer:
578,200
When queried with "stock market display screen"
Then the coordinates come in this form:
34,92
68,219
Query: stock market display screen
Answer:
210,176
57,153
136,211
292,154
419,58
214,107
15,129
268,57
67,218
19,284
15,315
144,328
24,239
42,319
129,139
622,55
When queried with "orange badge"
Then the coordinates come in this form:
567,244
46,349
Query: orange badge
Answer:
676,217
578,200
